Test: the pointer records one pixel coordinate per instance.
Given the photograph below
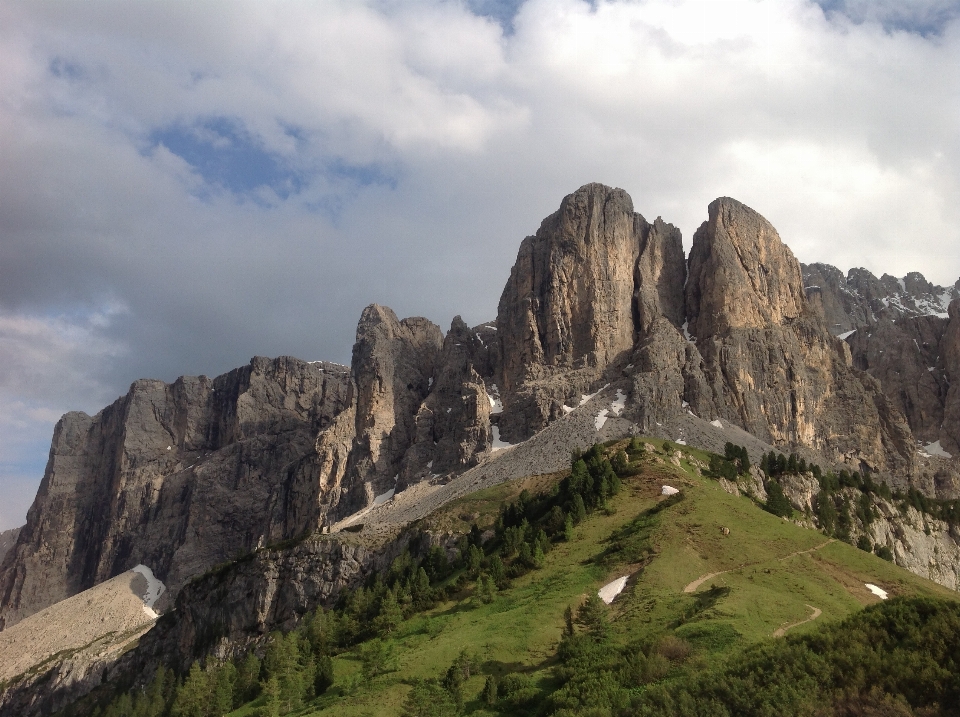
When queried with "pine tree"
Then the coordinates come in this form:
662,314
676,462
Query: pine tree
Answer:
390,616
579,509
568,529
489,694
592,615
222,679
247,685
193,695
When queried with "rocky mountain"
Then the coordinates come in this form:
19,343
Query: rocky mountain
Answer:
178,477
902,331
860,299
185,476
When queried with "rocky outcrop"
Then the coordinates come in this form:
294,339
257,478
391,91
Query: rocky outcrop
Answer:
393,366
8,538
453,423
420,409
860,299
593,276
177,476
741,275
770,363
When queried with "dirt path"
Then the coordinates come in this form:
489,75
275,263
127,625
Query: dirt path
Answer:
703,578
808,550
780,631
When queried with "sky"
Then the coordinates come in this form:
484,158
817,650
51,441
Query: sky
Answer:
186,185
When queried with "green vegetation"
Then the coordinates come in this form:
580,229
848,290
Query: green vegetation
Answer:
508,622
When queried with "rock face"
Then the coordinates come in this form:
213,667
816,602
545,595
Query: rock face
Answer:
771,366
393,366
177,476
741,275
860,299
420,408
8,538
593,276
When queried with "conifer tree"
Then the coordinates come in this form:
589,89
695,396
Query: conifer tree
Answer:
193,695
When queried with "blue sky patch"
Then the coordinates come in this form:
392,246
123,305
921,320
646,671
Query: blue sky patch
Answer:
225,154
922,17
503,11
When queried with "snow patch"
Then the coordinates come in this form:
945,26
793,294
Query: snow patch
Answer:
686,332
668,490
846,335
496,405
717,424
601,419
903,287
934,449
430,382
498,445
584,397
680,441
616,408
566,409
384,497
879,592
609,591
155,589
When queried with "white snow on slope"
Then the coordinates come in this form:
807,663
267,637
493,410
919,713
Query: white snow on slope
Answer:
601,419
934,449
155,589
584,397
879,592
616,408
609,591
717,424
496,405
668,490
844,336
498,445
384,497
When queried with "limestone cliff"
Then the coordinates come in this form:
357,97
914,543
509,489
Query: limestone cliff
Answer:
593,276
771,365
176,476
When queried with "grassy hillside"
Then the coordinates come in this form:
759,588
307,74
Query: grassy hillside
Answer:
765,576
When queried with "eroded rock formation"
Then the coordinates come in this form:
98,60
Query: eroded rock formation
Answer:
177,476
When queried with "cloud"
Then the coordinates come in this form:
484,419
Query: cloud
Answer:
243,177
48,366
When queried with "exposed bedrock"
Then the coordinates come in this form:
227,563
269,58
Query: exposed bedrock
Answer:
176,476
594,276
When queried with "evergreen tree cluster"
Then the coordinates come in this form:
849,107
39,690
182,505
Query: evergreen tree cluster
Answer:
295,669
898,658
775,464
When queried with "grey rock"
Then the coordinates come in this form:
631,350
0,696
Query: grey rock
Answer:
8,538
178,477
